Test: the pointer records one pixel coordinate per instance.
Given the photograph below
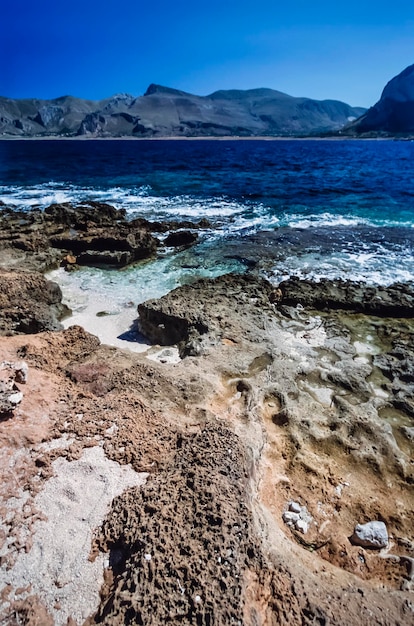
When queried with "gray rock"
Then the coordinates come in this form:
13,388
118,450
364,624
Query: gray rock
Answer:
302,526
370,535
295,507
290,518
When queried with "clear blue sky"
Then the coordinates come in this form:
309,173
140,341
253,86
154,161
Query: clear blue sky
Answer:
317,48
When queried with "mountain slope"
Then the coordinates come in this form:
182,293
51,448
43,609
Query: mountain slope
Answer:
167,112
394,112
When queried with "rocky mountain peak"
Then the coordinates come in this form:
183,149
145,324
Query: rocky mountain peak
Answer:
393,114
160,89
401,87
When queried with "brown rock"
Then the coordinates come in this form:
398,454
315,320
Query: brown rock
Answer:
29,303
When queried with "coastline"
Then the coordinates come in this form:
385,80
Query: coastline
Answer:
260,400
210,138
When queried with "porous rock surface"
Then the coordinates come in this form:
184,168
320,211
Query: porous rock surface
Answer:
29,303
192,311
270,404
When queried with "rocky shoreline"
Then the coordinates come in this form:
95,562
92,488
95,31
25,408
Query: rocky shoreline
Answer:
263,476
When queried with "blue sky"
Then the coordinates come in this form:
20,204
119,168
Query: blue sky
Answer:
320,49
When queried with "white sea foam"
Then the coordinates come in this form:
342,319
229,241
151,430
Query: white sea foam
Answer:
376,268
236,216
324,219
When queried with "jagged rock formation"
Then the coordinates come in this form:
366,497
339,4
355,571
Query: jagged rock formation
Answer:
163,111
393,114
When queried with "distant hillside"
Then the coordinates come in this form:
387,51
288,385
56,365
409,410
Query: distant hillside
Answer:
166,112
393,114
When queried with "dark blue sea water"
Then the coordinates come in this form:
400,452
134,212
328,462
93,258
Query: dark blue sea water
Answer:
327,208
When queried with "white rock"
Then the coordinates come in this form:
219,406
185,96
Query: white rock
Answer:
294,507
288,516
15,398
370,535
302,526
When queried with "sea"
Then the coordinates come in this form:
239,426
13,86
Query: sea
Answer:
309,208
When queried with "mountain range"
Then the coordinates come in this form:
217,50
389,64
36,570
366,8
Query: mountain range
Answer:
166,112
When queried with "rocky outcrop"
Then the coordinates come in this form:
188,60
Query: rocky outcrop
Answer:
116,246
90,233
397,365
185,314
393,114
163,111
180,238
29,303
394,301
200,577
191,313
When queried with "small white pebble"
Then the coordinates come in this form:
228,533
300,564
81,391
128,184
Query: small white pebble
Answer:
197,599
147,557
15,398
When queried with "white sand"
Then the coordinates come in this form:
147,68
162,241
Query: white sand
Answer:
74,501
118,319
